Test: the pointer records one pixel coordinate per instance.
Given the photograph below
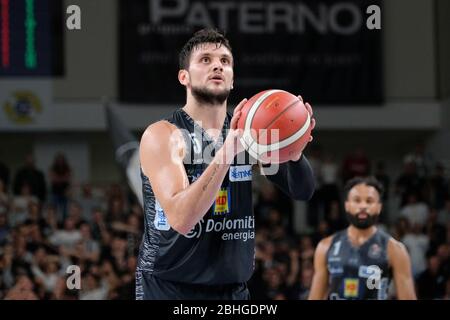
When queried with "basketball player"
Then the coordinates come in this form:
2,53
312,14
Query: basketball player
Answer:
357,263
199,238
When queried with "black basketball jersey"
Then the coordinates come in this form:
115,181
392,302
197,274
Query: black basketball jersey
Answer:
220,249
358,272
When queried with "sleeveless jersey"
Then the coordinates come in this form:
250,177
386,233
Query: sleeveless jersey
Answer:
358,272
220,249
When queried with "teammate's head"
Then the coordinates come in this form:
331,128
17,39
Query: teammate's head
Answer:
363,201
206,67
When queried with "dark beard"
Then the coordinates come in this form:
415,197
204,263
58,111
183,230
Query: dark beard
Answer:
205,96
362,223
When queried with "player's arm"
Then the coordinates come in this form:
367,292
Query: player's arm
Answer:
161,153
401,265
295,178
319,287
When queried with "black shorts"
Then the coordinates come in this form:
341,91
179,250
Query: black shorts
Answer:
149,287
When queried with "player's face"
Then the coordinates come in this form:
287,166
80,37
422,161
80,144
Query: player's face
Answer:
363,206
210,73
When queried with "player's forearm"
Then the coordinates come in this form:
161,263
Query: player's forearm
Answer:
405,289
296,179
190,205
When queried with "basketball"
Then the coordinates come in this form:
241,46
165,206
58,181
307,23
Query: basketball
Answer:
276,126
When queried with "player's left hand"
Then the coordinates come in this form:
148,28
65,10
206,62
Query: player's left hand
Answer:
312,124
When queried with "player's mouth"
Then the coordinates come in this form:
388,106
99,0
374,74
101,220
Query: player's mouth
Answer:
362,215
216,78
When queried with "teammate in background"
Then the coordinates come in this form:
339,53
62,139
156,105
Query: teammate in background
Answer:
199,238
358,262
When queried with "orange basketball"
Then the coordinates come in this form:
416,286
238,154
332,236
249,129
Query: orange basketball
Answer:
276,126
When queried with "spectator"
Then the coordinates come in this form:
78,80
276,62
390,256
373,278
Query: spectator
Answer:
116,210
416,212
87,202
356,164
4,175
323,231
89,249
444,213
23,290
447,290
417,244
443,253
31,176
431,284
385,180
409,182
330,190
60,181
401,228
4,229
421,159
93,288
334,218
20,205
68,237
4,198
436,232
439,185
48,273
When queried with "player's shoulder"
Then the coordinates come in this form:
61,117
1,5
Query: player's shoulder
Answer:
324,244
395,245
160,132
159,128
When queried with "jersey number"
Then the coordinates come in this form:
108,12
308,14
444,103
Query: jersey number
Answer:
336,248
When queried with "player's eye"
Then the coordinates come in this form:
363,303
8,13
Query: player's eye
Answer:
225,61
205,59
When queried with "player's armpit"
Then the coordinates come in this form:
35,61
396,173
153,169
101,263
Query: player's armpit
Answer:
401,264
319,287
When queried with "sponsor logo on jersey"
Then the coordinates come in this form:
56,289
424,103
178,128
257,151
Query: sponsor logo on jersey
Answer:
367,271
230,229
240,173
222,203
160,220
374,251
351,286
333,270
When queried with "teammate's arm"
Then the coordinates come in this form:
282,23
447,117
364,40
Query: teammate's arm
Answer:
399,259
319,287
162,151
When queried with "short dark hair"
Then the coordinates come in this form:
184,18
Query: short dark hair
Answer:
369,181
207,35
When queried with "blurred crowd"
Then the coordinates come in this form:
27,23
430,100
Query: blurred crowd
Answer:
416,211
48,223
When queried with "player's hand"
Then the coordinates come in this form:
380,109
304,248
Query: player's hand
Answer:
232,143
312,124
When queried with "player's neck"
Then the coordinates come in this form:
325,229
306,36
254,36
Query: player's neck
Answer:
208,116
359,236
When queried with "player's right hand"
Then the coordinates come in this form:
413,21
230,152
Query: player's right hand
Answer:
232,143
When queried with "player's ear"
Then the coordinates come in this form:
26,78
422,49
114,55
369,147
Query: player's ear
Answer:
347,206
380,206
183,77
